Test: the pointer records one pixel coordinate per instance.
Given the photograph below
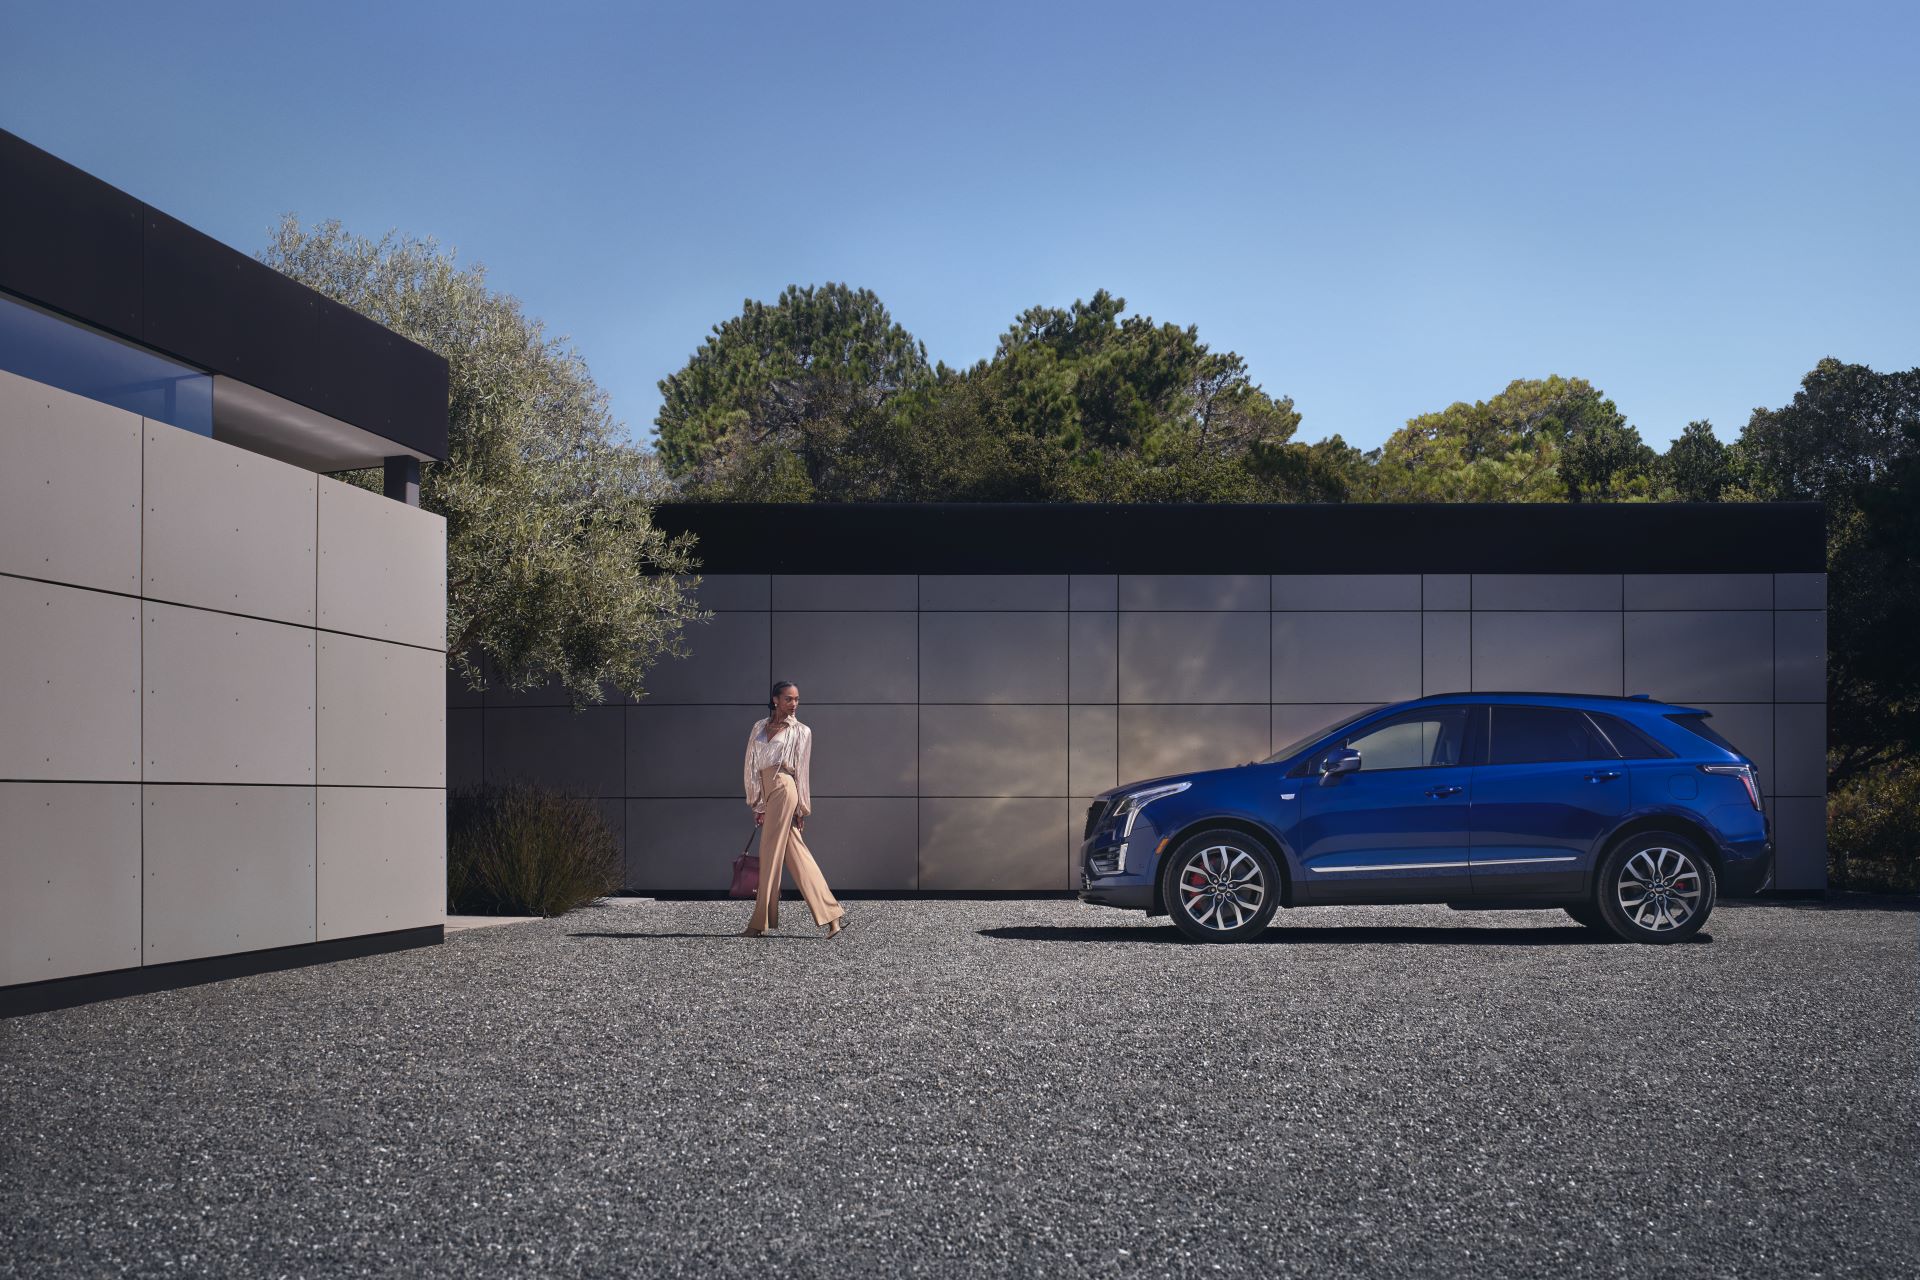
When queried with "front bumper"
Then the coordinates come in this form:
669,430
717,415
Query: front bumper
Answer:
1117,871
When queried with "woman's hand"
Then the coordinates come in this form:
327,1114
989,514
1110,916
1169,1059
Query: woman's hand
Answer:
759,818
799,824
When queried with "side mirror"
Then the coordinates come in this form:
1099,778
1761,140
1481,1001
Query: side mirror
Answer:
1343,760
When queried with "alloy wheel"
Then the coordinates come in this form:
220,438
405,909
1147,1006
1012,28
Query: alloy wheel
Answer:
1659,889
1222,888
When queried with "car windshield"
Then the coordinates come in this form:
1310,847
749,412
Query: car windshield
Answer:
1300,744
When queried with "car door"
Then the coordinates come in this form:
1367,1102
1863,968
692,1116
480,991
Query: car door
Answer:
1396,830
1548,786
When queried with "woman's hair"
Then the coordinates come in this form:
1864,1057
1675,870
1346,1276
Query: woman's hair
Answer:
779,687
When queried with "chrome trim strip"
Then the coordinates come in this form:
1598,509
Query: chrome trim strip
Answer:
1397,866
1509,862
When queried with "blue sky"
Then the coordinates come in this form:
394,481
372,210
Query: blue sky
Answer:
1383,208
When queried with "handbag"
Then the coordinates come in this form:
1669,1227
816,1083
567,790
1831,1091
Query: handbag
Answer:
746,870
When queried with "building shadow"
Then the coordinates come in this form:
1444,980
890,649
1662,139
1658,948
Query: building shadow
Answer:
1353,935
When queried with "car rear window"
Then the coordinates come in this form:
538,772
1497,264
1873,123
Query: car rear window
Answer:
1537,735
1697,726
1630,742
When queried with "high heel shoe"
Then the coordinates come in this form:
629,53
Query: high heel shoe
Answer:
751,932
837,926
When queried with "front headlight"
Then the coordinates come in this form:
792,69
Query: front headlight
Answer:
1134,801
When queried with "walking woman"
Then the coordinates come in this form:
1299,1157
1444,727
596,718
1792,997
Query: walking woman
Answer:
779,753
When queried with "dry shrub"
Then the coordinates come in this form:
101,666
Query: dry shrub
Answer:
521,850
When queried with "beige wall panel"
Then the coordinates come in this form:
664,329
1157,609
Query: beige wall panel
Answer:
1346,657
69,879
226,529
229,699
69,684
1547,652
1155,741
227,869
383,567
691,751
1195,657
993,844
382,718
382,855
69,487
993,751
1093,749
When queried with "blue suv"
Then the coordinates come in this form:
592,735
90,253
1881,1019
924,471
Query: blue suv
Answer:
1631,814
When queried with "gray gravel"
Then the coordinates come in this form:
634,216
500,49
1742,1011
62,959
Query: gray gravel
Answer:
1002,1087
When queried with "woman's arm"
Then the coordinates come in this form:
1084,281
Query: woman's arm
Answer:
802,771
752,779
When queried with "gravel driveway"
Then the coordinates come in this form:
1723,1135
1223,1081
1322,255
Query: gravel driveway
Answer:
993,1088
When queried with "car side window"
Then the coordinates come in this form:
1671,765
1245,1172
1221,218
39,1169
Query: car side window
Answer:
1541,735
1429,738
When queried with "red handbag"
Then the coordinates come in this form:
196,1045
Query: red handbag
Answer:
746,871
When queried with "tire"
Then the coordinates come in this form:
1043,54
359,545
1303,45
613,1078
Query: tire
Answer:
1656,887
1223,872
1588,914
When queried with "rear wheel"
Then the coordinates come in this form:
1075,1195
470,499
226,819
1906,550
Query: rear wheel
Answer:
1220,886
1656,887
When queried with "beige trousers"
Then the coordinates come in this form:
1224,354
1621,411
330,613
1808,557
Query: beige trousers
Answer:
781,847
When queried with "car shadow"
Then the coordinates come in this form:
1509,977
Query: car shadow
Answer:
1353,935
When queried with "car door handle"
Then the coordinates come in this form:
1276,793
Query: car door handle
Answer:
1441,793
1603,775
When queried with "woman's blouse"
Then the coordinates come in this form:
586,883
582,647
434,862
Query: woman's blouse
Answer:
791,750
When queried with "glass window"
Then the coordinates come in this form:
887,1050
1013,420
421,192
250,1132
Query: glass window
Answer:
1301,744
1630,742
1429,738
1536,735
39,345
1698,726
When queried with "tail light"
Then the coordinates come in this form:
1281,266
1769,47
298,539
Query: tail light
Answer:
1744,772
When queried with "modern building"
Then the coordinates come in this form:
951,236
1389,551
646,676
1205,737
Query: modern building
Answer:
222,734
973,674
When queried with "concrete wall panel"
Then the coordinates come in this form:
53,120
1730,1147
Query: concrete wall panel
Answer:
1800,656
1799,749
1446,652
383,567
231,699
382,854
728,660
1681,656
989,592
1699,591
1346,591
382,722
1195,592
465,752
845,592
1177,739
1094,591
689,751
227,529
1093,657
1547,652
1799,590
732,592
863,750
69,684
1800,842
681,845
1346,657
69,487
227,869
848,657
1547,591
1294,721
69,879
1748,726
1093,749
993,751
993,657
1001,844
1194,657
579,752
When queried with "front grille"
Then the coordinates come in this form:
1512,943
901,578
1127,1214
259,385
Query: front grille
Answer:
1096,811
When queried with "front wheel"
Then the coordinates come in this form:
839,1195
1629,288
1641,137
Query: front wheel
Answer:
1220,886
1656,887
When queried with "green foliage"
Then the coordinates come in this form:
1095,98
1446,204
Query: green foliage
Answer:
1697,467
554,567
520,850
1873,830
